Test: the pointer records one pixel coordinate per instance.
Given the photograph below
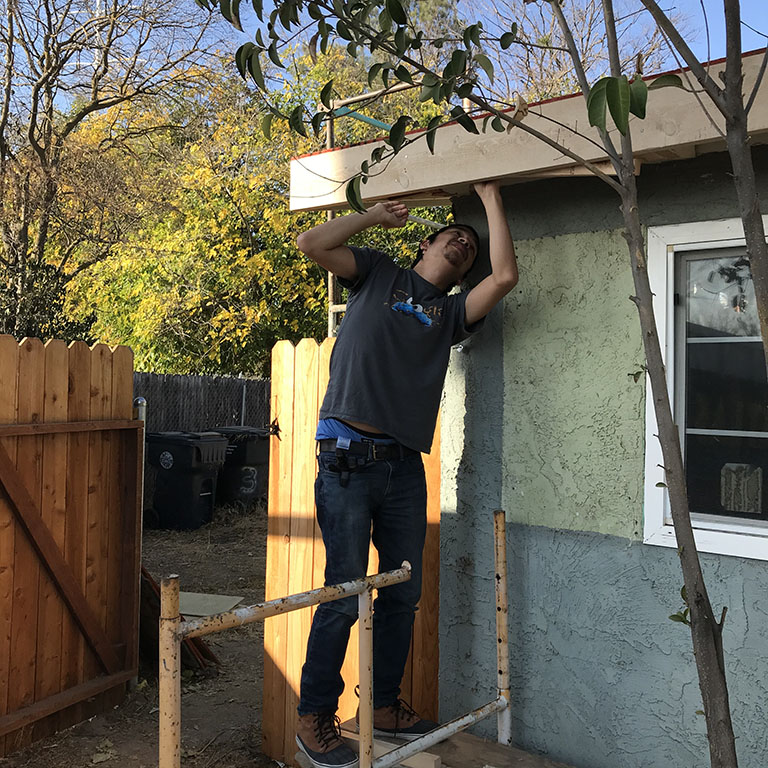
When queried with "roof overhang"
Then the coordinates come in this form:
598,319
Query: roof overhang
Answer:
675,128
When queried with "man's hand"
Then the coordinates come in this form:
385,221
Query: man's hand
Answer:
390,214
486,190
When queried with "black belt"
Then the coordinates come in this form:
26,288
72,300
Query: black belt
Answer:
369,449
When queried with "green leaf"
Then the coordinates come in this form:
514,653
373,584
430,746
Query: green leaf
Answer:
260,39
430,79
317,122
498,124
666,81
396,12
272,51
385,20
474,33
373,73
254,67
486,120
312,46
464,91
241,58
285,15
677,617
296,122
464,120
342,30
485,63
314,12
324,44
352,49
377,154
325,94
467,37
258,7
617,95
661,485
459,61
338,8
230,10
403,74
638,97
354,198
432,132
266,125
429,92
397,132
401,41
596,104
506,40
364,167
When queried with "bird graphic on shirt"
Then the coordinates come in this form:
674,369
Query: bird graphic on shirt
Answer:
409,308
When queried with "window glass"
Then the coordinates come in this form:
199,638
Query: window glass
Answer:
720,297
722,386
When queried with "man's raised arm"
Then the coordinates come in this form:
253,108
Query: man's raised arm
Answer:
325,244
503,278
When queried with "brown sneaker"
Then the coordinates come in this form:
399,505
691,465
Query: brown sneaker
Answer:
399,720
319,738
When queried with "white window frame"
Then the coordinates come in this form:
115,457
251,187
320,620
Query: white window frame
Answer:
718,535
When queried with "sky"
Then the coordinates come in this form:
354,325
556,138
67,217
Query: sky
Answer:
753,12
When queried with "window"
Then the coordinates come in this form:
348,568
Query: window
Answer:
710,336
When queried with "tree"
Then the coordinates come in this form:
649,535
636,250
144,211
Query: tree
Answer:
384,28
62,62
207,279
542,68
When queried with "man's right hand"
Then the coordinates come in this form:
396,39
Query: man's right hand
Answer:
390,214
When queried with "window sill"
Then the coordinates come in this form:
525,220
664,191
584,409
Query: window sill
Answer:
752,544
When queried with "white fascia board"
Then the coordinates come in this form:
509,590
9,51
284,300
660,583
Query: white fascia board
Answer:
675,127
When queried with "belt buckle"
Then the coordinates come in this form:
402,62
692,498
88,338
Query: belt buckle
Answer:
373,451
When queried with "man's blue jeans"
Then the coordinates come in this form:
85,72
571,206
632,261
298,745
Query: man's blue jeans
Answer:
388,498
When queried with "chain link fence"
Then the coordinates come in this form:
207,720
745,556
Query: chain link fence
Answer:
199,403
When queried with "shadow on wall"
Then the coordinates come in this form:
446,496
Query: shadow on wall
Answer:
467,610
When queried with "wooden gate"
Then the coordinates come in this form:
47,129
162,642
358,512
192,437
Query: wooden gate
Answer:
70,475
296,557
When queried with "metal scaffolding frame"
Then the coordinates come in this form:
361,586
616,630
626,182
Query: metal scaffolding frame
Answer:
173,631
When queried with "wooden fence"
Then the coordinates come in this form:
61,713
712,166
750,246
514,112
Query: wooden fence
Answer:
70,474
296,557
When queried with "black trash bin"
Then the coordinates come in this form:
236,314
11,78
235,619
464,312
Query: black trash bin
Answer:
243,478
187,465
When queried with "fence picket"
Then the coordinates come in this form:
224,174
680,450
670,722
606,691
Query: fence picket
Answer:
99,457
9,367
278,549
53,511
302,517
26,576
76,527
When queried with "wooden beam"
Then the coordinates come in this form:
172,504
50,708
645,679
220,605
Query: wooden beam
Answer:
59,701
28,515
675,124
53,428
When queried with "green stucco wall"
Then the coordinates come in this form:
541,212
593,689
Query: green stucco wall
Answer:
572,435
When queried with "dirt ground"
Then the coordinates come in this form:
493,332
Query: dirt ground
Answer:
221,714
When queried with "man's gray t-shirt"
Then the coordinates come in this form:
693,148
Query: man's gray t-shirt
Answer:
389,361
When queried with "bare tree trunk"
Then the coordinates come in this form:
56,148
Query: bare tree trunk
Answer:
706,631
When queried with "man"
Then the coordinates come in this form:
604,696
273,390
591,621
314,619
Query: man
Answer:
387,372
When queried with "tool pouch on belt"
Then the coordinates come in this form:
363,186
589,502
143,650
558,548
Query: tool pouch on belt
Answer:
345,464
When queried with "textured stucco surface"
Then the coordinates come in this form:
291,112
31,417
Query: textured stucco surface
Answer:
572,452
540,417
600,677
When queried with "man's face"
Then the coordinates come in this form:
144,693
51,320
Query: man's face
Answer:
455,247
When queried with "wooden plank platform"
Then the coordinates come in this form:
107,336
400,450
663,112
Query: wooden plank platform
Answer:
467,751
